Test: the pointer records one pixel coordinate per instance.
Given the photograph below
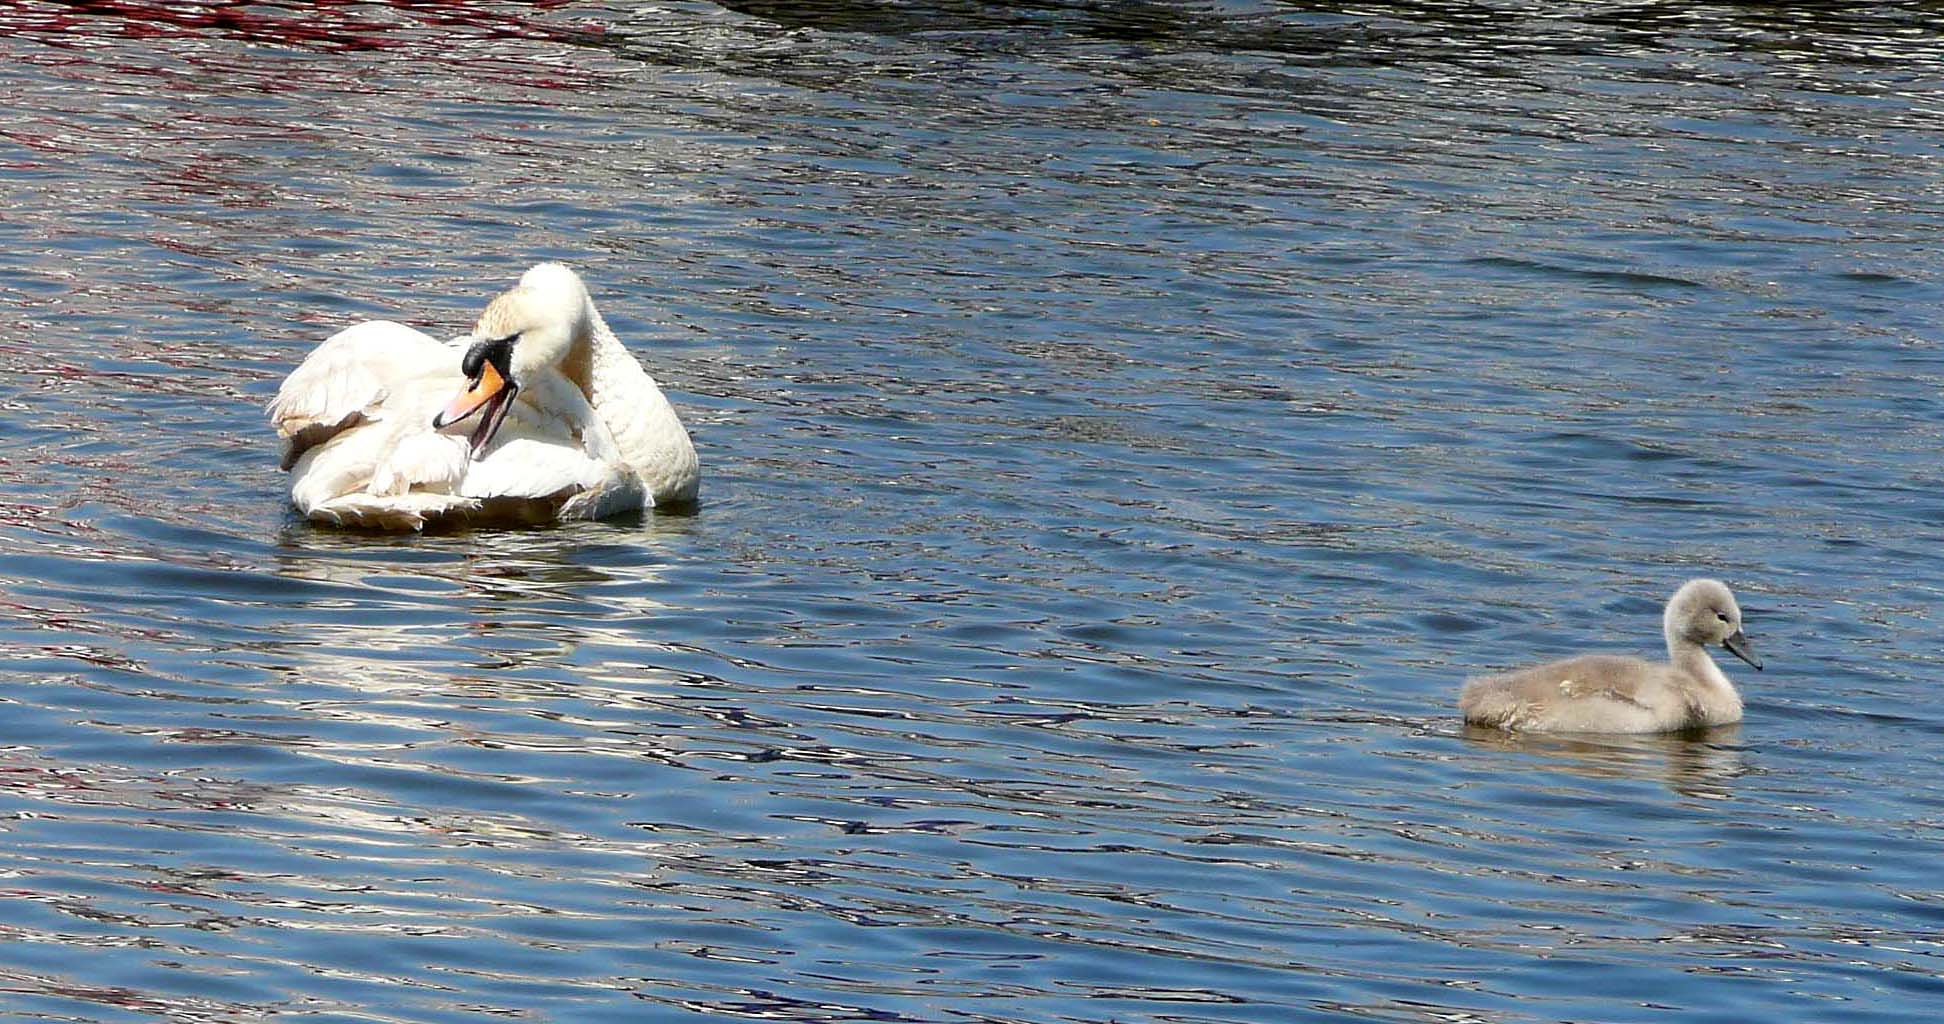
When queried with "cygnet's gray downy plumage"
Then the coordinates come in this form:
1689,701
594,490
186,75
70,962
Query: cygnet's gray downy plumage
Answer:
1614,693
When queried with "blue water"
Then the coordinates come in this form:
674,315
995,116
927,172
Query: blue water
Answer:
1124,426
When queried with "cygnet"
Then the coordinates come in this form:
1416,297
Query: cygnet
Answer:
1614,693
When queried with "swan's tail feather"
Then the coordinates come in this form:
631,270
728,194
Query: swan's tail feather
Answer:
409,511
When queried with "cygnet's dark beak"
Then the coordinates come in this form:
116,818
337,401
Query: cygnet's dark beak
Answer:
1738,645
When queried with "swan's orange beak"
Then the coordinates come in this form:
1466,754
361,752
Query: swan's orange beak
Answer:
490,388
482,390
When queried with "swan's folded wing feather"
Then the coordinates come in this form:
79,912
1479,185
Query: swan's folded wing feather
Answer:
1589,693
345,380
420,460
537,454
526,467
394,451
554,449
397,512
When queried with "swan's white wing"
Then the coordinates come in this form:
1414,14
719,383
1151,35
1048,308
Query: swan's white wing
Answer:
384,451
530,467
346,380
564,480
421,460
383,465
552,453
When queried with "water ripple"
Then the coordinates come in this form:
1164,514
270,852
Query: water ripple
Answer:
1125,425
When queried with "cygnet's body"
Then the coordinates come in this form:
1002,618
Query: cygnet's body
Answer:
1614,693
539,414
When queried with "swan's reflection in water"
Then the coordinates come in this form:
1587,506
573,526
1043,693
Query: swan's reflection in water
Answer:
477,606
1701,763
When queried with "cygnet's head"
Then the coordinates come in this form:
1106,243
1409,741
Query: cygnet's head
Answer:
523,332
1704,612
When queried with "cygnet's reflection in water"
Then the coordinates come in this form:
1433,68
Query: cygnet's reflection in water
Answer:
1701,763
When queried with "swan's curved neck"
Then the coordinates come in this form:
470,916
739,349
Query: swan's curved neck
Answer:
646,430
1712,698
1716,700
1693,659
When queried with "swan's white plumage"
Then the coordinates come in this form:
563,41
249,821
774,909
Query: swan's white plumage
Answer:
352,374
588,435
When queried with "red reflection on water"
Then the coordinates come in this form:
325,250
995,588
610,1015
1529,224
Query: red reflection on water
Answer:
336,25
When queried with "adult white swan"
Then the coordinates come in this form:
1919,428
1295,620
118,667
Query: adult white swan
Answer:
540,414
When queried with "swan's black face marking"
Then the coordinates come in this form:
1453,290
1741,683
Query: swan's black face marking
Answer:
490,386
498,350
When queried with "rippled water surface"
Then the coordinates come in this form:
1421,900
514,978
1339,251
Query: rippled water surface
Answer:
1124,427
